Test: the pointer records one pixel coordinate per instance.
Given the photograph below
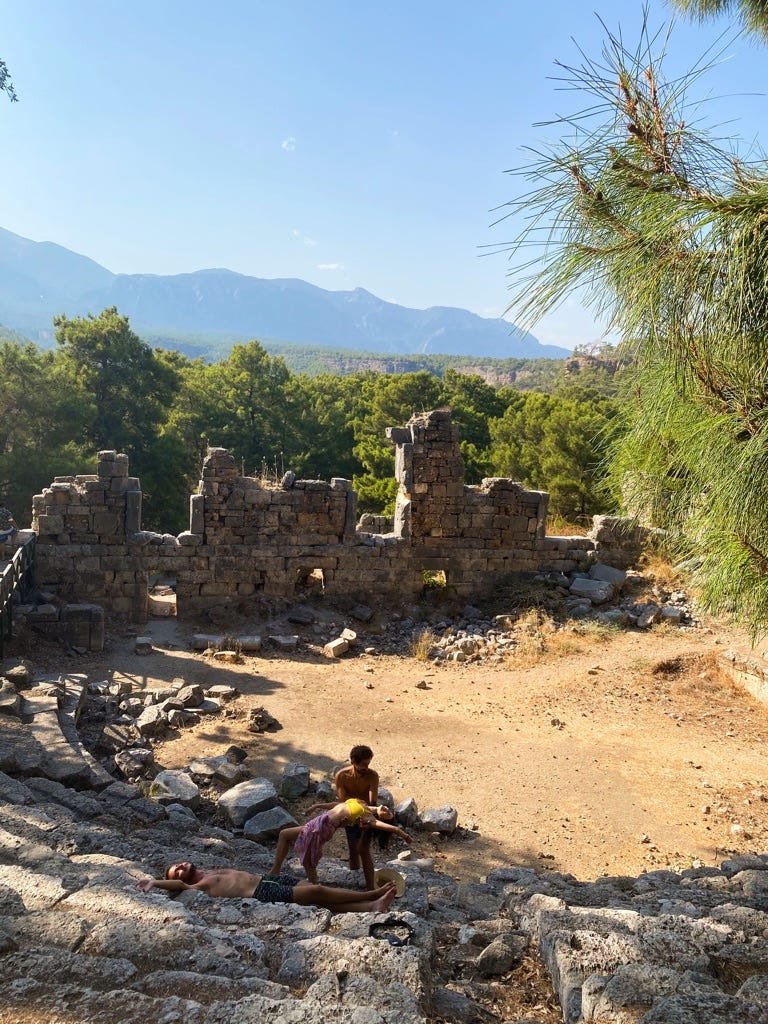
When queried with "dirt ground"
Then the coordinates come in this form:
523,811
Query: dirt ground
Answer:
600,754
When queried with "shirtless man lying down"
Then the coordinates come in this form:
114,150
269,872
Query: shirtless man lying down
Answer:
233,884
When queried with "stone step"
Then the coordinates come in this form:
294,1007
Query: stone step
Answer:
63,760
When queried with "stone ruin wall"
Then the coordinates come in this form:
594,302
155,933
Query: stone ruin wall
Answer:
248,538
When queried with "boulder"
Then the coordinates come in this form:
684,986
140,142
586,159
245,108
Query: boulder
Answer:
246,799
153,721
598,591
439,819
295,781
268,824
174,787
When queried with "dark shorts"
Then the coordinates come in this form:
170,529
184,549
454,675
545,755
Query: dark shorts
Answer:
355,832
275,889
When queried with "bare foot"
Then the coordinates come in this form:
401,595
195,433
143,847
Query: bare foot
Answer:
385,901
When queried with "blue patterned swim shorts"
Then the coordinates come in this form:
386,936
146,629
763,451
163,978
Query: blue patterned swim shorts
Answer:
275,889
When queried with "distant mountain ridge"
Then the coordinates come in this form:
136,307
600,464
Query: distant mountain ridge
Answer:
39,280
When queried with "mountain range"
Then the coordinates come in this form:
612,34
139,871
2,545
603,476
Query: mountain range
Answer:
39,280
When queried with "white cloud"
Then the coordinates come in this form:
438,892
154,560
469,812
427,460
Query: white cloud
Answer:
309,242
330,266
288,144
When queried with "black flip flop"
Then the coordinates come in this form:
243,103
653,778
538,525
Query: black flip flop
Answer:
388,928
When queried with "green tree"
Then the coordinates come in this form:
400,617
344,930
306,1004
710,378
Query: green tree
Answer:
473,405
126,390
40,418
256,415
753,14
666,233
557,443
6,83
387,401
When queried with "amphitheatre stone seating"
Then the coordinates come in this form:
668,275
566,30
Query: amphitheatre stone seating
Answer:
78,942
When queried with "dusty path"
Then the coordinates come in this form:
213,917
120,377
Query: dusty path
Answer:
611,757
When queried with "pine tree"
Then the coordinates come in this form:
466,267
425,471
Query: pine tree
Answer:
666,234
753,14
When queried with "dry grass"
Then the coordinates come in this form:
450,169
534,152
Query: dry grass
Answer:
657,568
422,644
558,526
541,638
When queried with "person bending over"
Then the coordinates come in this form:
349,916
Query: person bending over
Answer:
311,838
233,884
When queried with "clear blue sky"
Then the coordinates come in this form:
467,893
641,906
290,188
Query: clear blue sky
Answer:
351,144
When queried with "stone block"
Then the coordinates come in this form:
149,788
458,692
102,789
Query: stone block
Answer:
598,591
335,648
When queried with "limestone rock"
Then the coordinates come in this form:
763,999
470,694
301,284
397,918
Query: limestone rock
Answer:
598,591
175,787
501,955
10,699
335,648
267,824
295,781
439,819
153,721
260,720
246,799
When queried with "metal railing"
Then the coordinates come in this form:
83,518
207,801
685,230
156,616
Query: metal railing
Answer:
18,576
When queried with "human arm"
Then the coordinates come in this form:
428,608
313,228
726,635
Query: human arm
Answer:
323,807
373,788
168,884
390,828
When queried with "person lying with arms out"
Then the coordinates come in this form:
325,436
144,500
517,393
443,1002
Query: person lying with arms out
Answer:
312,837
228,883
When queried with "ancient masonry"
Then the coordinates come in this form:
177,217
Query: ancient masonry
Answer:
249,538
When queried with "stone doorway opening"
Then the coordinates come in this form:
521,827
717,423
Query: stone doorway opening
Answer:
310,581
161,596
434,579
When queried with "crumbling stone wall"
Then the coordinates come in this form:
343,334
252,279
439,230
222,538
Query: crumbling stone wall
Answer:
249,538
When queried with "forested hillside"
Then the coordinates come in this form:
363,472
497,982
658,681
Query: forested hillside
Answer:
104,387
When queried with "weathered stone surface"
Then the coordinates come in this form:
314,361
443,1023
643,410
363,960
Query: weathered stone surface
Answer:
616,577
598,591
190,696
309,959
246,799
260,720
499,956
19,674
335,648
175,787
153,721
648,615
10,699
295,782
439,819
407,812
267,824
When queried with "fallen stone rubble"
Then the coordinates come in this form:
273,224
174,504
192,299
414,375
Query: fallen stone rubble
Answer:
602,596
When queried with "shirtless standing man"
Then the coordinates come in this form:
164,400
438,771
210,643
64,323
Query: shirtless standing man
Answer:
359,781
228,883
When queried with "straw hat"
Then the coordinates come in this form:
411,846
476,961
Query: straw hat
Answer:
384,875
